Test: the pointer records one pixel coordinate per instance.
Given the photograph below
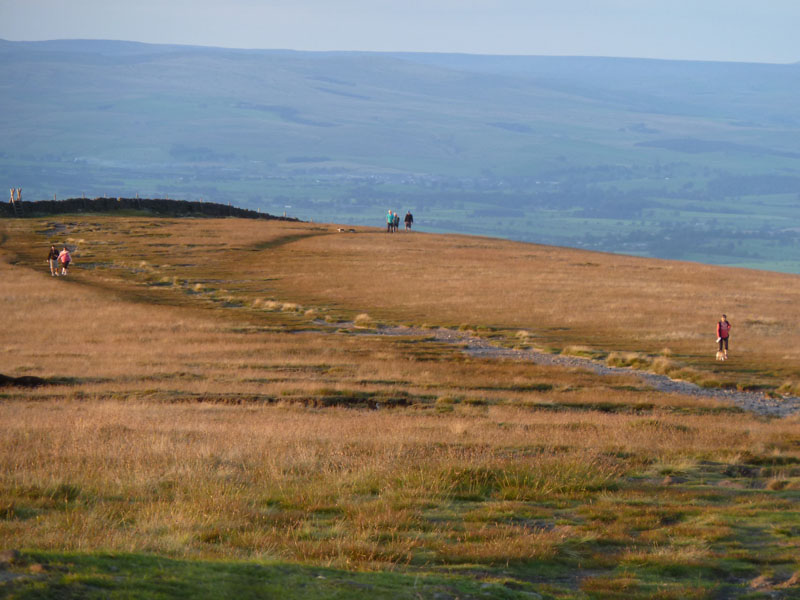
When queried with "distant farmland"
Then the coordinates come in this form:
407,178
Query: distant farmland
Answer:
686,160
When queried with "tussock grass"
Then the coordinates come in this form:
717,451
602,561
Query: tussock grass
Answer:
790,388
662,365
308,485
363,320
584,351
636,360
269,304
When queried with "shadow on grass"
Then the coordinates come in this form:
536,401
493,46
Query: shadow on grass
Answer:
31,381
131,576
50,575
283,241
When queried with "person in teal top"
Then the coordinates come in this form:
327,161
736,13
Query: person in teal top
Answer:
389,222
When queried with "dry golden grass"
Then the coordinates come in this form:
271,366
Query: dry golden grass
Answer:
101,341
611,302
561,297
186,374
336,486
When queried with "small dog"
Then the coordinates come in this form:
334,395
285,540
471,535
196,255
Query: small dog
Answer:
721,355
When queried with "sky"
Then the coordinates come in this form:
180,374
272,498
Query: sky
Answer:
718,30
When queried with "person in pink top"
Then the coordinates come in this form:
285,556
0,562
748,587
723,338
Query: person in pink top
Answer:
723,333
64,258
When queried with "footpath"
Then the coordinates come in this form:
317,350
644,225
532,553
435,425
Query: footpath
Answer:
472,345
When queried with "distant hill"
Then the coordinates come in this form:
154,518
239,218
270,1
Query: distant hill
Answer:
616,154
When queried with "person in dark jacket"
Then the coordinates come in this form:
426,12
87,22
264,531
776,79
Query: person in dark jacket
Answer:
409,219
723,333
52,260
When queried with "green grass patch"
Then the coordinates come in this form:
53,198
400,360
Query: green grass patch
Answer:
57,576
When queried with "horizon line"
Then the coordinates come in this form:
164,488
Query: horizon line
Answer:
396,52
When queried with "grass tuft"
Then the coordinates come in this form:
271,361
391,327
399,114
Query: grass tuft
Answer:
584,352
363,320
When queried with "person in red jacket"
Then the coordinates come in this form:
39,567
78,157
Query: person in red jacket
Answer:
723,333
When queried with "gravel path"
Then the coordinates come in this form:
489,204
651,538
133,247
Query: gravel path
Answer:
475,346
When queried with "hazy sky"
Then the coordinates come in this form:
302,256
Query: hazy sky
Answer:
727,30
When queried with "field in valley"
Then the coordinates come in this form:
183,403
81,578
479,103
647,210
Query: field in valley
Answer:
219,415
666,159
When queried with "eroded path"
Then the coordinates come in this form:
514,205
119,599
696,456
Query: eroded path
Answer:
755,402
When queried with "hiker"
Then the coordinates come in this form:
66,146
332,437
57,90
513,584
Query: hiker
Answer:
723,333
409,219
389,222
52,260
396,222
64,258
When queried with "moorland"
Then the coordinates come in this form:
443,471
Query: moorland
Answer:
672,159
218,414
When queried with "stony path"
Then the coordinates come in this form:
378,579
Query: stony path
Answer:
475,346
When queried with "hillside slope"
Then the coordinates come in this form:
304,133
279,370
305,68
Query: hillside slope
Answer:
662,312
214,408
